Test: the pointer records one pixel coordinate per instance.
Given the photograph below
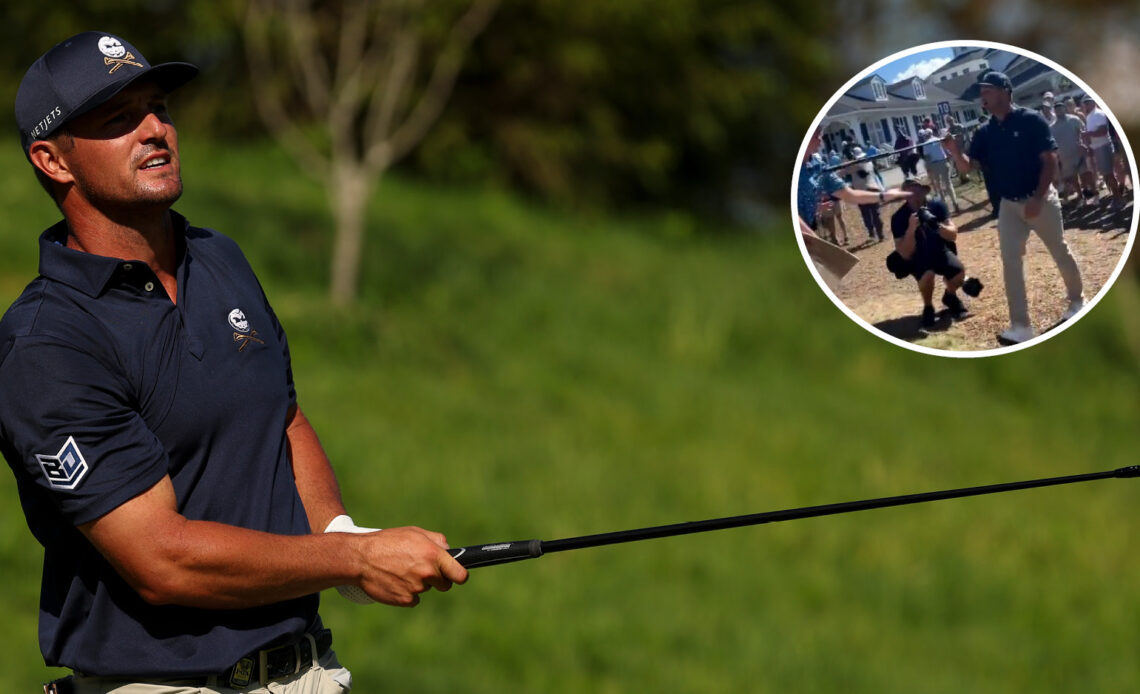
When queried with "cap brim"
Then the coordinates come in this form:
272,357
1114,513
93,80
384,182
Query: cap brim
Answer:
168,76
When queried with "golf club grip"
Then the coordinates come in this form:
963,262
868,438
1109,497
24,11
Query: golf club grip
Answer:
498,553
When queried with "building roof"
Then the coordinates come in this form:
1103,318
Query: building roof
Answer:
1022,72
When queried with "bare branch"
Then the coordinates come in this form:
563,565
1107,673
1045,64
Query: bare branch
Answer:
268,101
350,47
306,55
427,111
388,101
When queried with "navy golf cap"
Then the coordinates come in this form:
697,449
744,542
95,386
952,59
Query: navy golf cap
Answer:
81,73
994,78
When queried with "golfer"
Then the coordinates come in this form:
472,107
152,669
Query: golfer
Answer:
1020,158
148,412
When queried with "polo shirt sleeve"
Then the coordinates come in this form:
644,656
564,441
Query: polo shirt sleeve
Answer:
70,429
831,182
900,220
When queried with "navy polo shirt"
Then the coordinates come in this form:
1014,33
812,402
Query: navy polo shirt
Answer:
1010,150
105,387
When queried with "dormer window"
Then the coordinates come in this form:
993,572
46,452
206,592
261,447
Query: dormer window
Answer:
919,90
878,90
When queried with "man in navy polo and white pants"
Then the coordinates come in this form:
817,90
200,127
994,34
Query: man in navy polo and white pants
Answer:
1021,159
148,413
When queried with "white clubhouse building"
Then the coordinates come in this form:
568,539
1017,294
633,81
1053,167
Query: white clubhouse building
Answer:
872,111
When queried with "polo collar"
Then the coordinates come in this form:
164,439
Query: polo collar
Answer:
87,272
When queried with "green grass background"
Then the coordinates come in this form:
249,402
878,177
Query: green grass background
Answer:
515,372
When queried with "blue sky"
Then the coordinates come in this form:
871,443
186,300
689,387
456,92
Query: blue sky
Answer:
921,64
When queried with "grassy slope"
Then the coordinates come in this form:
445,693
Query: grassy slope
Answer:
516,373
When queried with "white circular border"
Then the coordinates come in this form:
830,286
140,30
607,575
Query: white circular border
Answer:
930,350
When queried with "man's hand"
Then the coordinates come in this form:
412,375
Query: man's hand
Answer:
912,225
401,563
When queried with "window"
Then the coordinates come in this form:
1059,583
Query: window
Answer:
879,91
886,130
919,90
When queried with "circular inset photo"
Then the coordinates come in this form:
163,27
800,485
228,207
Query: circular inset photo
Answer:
965,198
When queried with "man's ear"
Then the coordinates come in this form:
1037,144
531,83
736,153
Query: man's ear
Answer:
49,157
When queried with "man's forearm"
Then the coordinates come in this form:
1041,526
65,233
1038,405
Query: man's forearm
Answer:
906,244
216,566
169,559
870,197
314,476
963,163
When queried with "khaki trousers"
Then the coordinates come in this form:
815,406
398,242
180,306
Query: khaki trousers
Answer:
325,677
1013,234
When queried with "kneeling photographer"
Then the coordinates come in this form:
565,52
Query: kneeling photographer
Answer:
925,243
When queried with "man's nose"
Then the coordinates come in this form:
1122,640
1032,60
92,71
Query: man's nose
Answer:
152,128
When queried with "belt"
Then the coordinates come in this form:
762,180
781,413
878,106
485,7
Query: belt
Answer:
257,667
274,663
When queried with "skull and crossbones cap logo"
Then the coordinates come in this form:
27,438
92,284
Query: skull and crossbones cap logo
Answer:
81,73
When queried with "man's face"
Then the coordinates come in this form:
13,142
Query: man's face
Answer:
815,141
125,152
917,195
1088,106
994,97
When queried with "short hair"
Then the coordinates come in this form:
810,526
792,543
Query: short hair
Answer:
61,135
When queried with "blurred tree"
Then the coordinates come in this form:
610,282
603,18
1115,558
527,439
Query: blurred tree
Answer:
657,101
599,102
340,85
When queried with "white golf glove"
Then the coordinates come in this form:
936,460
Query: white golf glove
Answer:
344,524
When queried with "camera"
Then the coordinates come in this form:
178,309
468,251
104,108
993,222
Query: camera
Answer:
926,217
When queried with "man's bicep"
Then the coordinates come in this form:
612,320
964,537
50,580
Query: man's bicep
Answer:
131,537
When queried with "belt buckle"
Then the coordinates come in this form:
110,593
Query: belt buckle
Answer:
242,673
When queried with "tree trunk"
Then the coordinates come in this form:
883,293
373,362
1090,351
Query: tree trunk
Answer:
349,201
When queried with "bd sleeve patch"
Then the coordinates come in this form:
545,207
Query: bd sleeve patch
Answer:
67,468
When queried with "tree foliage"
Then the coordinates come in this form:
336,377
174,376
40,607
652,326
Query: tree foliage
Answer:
639,101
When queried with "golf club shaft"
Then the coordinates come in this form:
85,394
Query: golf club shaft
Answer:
891,153
504,552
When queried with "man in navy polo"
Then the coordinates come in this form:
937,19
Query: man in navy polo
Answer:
148,413
1020,157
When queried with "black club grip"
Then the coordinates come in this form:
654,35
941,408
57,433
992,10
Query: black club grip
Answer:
498,553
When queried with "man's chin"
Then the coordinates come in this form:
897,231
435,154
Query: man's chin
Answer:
157,196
